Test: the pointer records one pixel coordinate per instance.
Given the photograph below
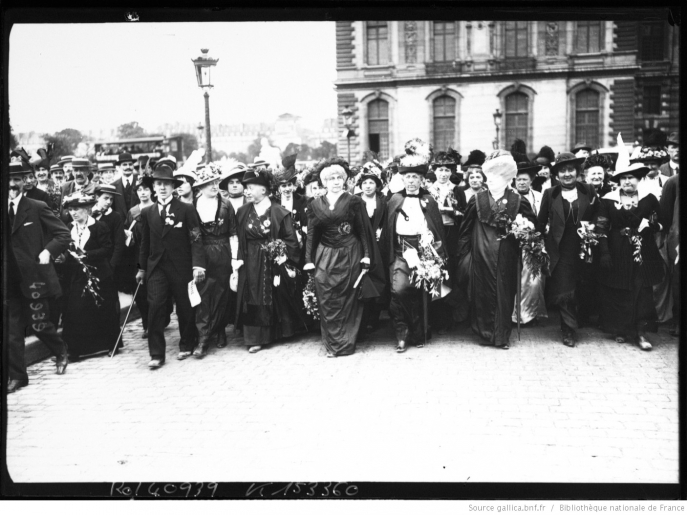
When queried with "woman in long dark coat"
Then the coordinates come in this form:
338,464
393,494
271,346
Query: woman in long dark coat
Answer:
376,209
265,311
630,261
217,227
90,326
490,263
338,248
563,209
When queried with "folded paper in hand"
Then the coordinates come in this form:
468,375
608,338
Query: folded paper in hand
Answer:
193,294
234,281
411,257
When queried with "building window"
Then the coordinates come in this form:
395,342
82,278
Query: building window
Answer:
444,122
589,37
652,41
652,99
516,40
377,42
378,127
516,117
444,41
587,117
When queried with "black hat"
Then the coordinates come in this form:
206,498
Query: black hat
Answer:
545,156
475,158
125,158
106,188
311,176
371,176
417,157
655,137
235,173
449,159
286,174
673,139
19,167
581,146
147,181
257,176
567,158
165,172
528,168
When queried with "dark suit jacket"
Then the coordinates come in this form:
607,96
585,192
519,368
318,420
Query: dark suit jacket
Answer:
38,194
551,212
180,241
120,202
115,225
37,228
666,170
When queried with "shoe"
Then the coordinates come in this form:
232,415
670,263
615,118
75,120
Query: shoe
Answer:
330,355
644,344
401,347
222,341
155,363
199,352
569,339
61,364
15,384
183,355
503,347
255,348
619,338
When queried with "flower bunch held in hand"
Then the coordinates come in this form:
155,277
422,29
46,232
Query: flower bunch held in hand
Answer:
310,299
589,238
276,251
92,282
428,269
532,242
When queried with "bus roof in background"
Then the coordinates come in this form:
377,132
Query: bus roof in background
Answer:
147,139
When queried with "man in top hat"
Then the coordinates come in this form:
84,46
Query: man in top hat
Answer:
232,187
452,205
581,150
125,185
81,182
35,237
171,257
411,213
672,167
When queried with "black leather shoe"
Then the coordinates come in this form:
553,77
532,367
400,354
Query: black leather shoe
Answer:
15,384
199,352
222,341
61,365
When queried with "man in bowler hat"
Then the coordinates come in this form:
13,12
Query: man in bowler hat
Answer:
125,186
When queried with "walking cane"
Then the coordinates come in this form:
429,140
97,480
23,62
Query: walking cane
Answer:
519,295
125,319
424,309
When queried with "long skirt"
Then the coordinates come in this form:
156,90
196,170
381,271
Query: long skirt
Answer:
212,314
532,300
629,312
336,271
88,328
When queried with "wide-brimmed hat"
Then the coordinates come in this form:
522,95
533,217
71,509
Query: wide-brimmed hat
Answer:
184,172
287,173
65,159
581,146
235,173
545,156
106,188
372,176
310,177
416,158
170,161
79,162
164,172
125,157
528,168
449,159
56,168
147,181
637,170
256,176
78,199
259,163
42,160
19,167
567,158
208,174
673,139
104,167
648,155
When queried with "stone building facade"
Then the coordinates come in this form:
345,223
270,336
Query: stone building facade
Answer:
554,82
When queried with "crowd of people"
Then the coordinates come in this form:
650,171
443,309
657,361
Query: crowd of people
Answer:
491,241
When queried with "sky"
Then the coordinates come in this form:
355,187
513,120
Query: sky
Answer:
99,76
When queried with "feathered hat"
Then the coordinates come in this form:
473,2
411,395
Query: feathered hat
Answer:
418,155
623,166
449,159
519,151
475,158
546,156
286,173
43,158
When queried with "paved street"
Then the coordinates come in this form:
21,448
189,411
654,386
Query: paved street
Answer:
452,411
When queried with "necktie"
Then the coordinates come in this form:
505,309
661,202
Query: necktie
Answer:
11,215
416,195
163,214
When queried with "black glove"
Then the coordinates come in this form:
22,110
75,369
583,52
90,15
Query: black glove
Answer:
605,261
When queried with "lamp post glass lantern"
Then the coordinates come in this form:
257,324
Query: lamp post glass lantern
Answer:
203,64
348,121
497,122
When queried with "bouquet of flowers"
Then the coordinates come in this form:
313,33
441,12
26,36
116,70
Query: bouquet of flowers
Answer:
589,239
92,282
502,221
531,241
636,240
310,300
276,250
429,270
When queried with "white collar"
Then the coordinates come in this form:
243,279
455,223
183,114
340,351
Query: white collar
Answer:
166,202
15,201
90,221
673,165
614,195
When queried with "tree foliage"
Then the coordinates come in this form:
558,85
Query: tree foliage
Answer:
14,143
131,130
65,143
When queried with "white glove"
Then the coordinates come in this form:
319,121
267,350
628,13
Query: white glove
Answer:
281,260
309,266
365,261
643,225
236,264
129,238
277,280
291,272
234,281
411,257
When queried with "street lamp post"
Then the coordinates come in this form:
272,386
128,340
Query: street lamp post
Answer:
203,65
497,122
348,122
